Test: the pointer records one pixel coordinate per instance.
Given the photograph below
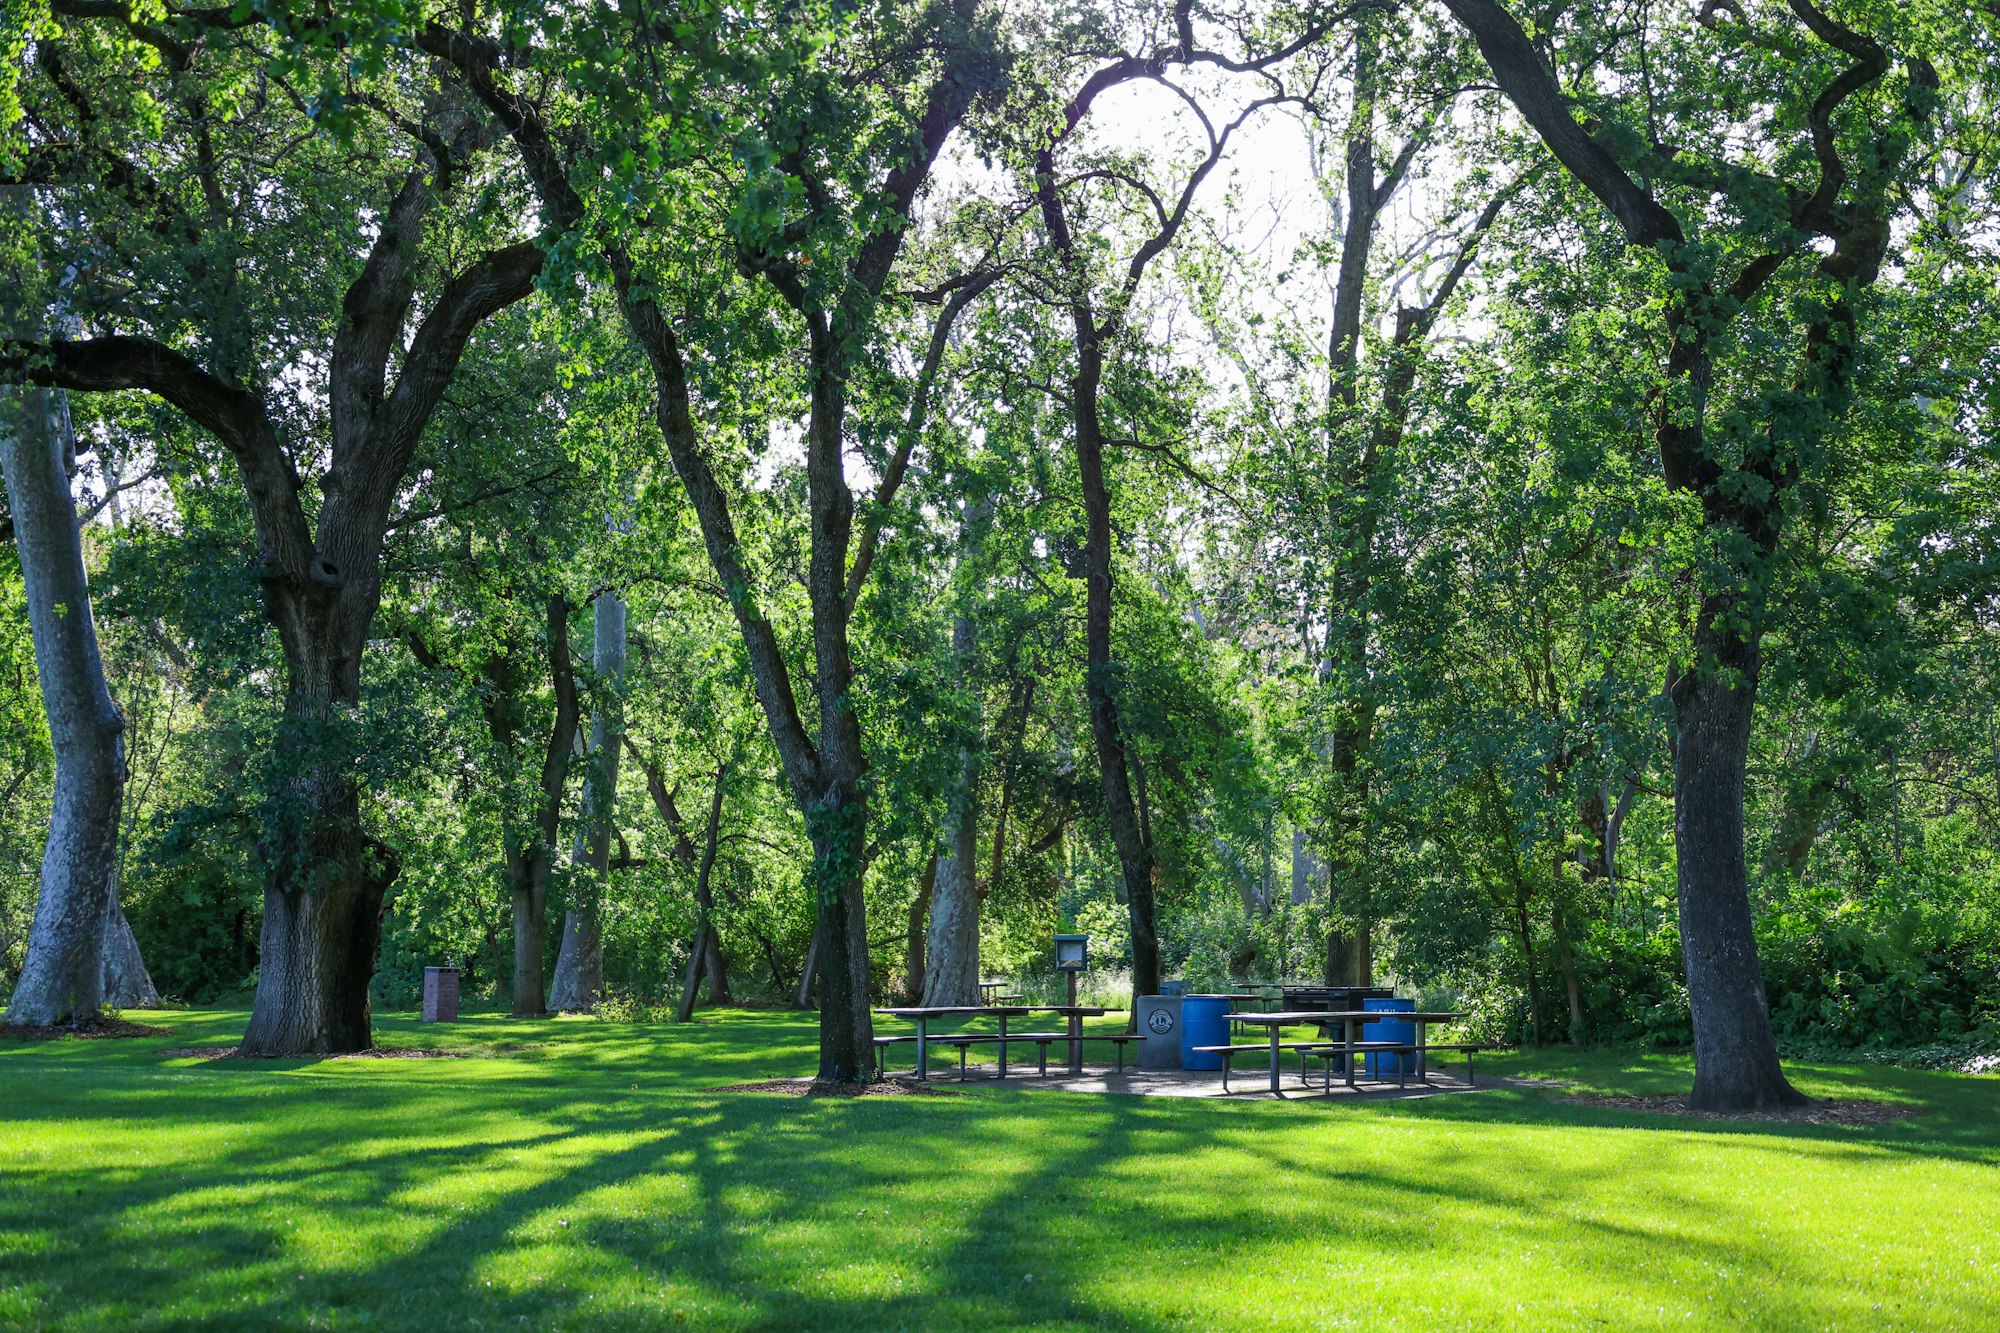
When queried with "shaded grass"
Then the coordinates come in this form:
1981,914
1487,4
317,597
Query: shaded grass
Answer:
595,1179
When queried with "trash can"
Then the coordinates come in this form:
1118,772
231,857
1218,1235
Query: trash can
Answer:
1204,1022
1176,989
1381,1063
1160,1032
440,995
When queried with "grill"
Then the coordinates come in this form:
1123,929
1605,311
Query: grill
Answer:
1308,999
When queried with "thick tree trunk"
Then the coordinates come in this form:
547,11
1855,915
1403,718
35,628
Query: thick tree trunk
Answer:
839,832
325,879
1350,956
579,978
127,983
530,893
1735,1056
62,980
715,971
316,953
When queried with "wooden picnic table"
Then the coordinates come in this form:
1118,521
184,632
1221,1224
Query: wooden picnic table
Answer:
1350,1020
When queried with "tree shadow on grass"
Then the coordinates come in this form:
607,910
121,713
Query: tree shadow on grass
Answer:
759,1211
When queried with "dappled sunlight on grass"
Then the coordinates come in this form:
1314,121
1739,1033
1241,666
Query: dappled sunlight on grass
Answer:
574,1173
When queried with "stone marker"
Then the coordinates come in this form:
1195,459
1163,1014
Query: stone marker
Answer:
1160,1026
440,995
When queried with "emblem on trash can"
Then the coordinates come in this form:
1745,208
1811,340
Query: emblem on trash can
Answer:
1161,1021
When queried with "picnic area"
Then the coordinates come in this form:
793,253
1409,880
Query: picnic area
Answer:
583,1174
999,664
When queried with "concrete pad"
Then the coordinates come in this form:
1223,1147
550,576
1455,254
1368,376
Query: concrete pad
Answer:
1251,1084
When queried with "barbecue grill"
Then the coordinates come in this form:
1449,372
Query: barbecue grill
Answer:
1331,999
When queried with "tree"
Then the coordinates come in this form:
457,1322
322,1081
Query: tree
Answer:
1098,300
1744,468
821,220
78,929
166,250
579,979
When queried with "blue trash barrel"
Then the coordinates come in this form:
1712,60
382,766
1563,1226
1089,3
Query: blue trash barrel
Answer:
1204,1022
1381,1063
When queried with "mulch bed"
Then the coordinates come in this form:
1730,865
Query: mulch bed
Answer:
1835,1112
111,1029
378,1053
809,1087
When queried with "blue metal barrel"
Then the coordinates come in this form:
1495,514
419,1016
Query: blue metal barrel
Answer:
1381,1063
1204,1022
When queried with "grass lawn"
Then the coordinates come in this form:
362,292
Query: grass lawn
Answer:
594,1181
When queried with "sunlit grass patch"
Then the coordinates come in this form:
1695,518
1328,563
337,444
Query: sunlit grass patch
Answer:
598,1179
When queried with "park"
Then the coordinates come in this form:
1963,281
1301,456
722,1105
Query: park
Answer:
980,664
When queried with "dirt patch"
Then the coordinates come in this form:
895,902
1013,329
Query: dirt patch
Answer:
109,1029
1836,1112
379,1053
809,1087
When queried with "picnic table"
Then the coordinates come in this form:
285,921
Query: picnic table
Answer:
988,989
922,1015
1351,1021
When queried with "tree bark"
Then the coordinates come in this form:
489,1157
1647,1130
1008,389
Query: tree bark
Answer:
920,909
531,852
1350,956
1712,716
705,926
127,983
579,977
952,975
62,979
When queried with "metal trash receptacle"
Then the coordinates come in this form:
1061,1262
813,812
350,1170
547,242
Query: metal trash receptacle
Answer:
1160,1032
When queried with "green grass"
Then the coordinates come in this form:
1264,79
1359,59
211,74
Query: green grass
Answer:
595,1182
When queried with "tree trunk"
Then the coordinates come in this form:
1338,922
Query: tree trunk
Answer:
920,910
705,927
531,851
1135,852
1525,933
579,979
1350,956
1566,964
839,832
952,973
714,969
1304,871
127,983
1735,1055
62,979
